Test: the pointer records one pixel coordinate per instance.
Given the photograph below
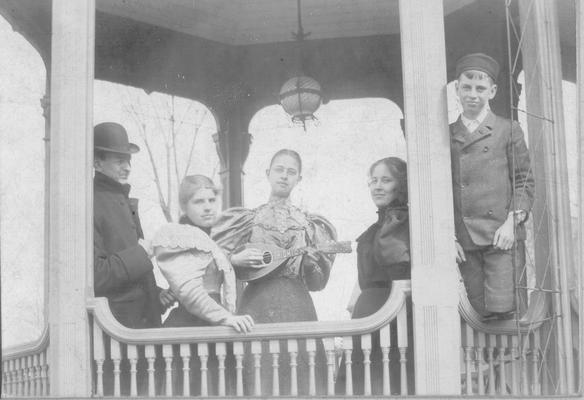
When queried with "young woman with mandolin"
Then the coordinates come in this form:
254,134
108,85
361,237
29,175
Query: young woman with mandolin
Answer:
278,292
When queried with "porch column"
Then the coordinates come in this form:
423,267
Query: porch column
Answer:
71,196
543,84
434,270
580,127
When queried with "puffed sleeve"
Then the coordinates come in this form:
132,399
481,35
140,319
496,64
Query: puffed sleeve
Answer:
316,275
391,244
183,254
233,228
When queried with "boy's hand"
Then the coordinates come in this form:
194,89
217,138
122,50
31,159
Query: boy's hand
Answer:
460,257
505,235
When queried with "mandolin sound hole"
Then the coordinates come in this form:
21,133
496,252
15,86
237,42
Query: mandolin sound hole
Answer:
267,257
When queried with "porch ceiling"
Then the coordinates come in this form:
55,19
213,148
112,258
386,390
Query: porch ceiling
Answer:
243,22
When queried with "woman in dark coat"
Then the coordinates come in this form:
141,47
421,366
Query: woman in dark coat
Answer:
383,256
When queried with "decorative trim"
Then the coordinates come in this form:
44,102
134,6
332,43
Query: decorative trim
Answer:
99,308
29,348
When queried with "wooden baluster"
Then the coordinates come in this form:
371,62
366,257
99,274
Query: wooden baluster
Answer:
524,365
468,338
9,373
348,351
116,356
535,358
502,375
221,352
480,340
256,350
26,376
274,348
44,373
133,358
18,365
402,343
203,352
99,357
150,354
293,351
329,348
238,353
311,350
513,342
5,379
185,353
167,355
366,348
11,370
23,376
385,344
492,340
31,376
37,375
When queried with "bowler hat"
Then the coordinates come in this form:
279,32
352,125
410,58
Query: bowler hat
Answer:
110,136
478,62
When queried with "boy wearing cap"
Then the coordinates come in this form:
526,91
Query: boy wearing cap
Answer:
123,271
493,190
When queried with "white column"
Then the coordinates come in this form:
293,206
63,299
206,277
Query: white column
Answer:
543,78
580,258
434,276
71,196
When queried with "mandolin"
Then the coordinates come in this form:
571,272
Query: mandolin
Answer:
274,256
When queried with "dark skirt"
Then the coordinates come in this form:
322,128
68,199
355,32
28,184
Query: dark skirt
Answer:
281,299
370,300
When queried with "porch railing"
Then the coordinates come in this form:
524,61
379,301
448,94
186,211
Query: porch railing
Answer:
25,368
150,362
503,358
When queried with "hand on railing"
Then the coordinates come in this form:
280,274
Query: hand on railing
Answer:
241,323
167,298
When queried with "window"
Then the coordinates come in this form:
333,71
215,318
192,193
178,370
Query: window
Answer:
336,154
22,188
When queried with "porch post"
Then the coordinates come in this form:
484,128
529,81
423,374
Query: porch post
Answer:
71,196
434,274
580,127
543,81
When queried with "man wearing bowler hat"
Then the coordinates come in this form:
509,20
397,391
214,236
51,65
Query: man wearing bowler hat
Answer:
493,191
122,267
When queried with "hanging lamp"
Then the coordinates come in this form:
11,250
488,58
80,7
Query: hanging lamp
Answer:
301,95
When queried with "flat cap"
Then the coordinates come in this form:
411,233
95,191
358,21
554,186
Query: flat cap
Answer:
478,62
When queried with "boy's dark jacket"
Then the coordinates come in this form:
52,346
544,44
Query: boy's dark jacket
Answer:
491,176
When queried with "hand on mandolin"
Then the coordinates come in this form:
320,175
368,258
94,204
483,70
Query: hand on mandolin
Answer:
247,258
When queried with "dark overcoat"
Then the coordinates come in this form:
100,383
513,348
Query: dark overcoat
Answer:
122,270
491,176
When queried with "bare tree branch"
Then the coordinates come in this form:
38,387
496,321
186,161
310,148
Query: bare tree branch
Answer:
192,149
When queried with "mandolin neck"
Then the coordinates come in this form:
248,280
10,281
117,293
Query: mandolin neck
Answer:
326,248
